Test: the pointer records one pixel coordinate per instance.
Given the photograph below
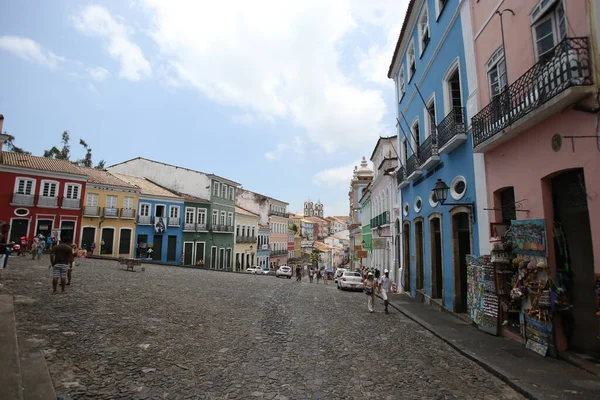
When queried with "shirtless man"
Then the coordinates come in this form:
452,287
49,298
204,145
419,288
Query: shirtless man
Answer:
61,257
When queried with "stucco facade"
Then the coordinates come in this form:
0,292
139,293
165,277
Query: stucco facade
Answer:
361,177
246,239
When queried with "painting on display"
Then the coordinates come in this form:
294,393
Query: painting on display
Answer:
529,237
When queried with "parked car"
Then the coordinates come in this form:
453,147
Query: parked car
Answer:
262,270
339,273
350,280
251,270
284,271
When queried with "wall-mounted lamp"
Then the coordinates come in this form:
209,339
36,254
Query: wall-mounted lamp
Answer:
440,189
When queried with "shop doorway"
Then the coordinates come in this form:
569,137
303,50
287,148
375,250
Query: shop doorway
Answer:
572,223
18,228
44,226
67,230
142,246
187,253
406,258
419,254
88,236
108,237
171,248
437,274
157,248
125,241
461,241
199,251
213,257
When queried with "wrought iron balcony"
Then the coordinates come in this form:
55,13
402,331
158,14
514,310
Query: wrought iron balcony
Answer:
428,152
47,201
91,211
278,252
401,177
127,213
193,227
277,213
173,221
221,228
413,170
144,220
21,199
110,212
381,219
451,131
71,203
562,73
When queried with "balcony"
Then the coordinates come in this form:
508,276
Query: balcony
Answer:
144,220
428,152
173,221
451,131
110,212
245,239
192,227
71,203
401,178
277,214
549,87
46,201
91,211
413,171
127,213
380,220
20,199
278,252
222,228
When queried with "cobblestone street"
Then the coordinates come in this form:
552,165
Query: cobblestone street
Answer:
171,333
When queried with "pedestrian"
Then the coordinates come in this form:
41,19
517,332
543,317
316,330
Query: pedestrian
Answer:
298,273
70,271
377,274
325,276
384,286
41,246
24,242
61,256
369,288
318,275
3,252
311,274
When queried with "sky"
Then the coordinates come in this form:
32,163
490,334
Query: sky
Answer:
284,97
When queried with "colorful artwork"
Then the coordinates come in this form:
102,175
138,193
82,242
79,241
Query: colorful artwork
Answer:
528,237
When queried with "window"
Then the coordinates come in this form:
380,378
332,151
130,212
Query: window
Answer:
25,186
223,191
144,210
128,203
189,215
458,188
416,138
230,219
440,5
404,151
430,117
216,189
160,211
223,218
231,193
423,31
111,201
215,217
401,83
174,212
92,200
49,188
418,204
72,191
202,216
412,66
405,209
549,26
496,70
237,231
433,201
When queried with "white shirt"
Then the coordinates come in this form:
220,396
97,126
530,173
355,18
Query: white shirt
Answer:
385,283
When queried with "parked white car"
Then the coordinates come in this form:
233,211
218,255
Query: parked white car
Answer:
261,270
339,273
284,271
251,270
350,280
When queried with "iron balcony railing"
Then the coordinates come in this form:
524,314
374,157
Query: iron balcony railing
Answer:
412,164
453,124
400,175
111,212
278,252
70,203
381,219
194,227
428,149
46,201
173,221
91,211
22,199
565,66
144,220
277,213
221,228
127,213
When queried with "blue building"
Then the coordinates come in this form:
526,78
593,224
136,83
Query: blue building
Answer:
159,224
431,75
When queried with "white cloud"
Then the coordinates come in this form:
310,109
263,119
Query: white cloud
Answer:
98,74
275,59
335,176
30,50
97,21
337,208
297,146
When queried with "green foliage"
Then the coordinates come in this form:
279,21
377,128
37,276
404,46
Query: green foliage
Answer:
9,145
315,258
65,153
295,228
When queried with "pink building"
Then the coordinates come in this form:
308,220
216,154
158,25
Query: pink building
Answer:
536,127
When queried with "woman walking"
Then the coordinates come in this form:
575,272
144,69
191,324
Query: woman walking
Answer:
369,288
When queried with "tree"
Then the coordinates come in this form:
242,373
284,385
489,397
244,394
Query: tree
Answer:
315,258
295,228
65,153
9,145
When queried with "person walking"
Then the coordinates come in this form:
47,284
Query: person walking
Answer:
384,287
61,256
369,288
318,275
24,242
298,273
311,274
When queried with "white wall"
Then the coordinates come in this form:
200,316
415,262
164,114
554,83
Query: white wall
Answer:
250,201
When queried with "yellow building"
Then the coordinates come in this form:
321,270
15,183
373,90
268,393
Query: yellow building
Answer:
246,239
109,214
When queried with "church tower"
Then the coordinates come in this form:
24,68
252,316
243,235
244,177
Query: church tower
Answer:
319,209
308,208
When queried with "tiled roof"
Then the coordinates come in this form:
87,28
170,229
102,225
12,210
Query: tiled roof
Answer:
401,36
101,177
184,196
243,211
39,163
147,186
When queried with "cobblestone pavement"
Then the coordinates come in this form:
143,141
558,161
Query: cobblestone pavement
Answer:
177,333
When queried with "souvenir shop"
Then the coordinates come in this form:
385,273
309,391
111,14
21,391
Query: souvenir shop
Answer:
511,292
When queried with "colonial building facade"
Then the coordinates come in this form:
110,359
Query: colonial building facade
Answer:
246,234
361,177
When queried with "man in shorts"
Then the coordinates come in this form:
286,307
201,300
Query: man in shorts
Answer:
61,256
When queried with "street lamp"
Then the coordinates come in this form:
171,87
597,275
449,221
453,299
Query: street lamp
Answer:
440,189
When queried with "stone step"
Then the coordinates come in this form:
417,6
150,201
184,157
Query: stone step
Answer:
10,377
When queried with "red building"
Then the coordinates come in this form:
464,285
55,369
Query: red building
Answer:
40,195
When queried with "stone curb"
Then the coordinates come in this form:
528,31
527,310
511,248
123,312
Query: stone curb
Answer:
501,374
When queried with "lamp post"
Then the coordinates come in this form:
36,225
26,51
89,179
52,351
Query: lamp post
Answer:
440,189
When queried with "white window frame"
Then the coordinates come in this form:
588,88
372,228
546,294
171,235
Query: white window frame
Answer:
156,209
216,189
415,137
494,63
231,193
50,182
215,217
423,26
223,218
31,190
428,130
230,219
201,212
447,88
223,190
89,196
141,212
173,214
128,203
440,5
411,55
72,185
190,212
401,83
542,14
112,196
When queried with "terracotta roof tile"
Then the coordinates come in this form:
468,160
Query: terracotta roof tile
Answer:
102,177
146,186
243,211
39,163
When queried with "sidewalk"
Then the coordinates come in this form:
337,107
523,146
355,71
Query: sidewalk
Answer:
534,376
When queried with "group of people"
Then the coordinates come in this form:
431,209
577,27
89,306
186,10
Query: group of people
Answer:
383,286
